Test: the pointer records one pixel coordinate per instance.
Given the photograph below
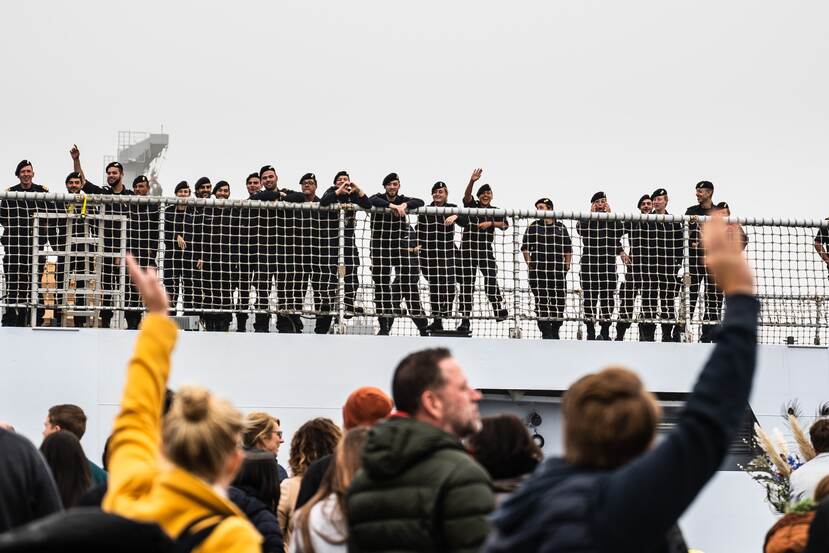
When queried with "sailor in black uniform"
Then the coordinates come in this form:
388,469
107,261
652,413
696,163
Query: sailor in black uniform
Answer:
345,191
438,255
641,240
698,273
16,219
477,253
548,251
142,242
389,251
601,244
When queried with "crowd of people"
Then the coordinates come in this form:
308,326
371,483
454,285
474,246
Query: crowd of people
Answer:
417,471
221,260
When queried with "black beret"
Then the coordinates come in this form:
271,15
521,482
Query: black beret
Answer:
308,176
483,188
389,178
252,176
114,164
221,184
546,201
438,185
598,196
139,178
341,174
722,205
181,186
265,169
72,175
642,199
705,184
201,181
659,192
21,165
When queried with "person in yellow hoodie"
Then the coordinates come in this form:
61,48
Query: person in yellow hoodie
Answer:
175,471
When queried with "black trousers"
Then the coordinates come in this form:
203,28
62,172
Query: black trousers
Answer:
218,293
323,282
179,281
637,279
438,267
17,268
549,288
598,282
389,293
351,282
244,275
266,273
133,302
712,295
472,260
659,293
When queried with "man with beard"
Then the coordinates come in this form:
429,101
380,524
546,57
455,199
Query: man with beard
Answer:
712,300
548,251
601,244
180,252
72,263
416,477
142,242
110,264
219,237
639,273
345,191
247,227
436,237
313,249
477,253
16,218
664,286
390,243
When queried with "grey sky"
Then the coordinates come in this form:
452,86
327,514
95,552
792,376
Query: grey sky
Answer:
558,99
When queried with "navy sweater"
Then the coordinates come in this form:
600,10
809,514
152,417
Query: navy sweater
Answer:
635,507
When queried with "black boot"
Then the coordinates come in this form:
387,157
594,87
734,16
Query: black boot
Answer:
296,323
555,326
605,330
323,324
422,324
706,334
133,319
241,322
262,322
546,329
385,325
501,315
677,333
647,332
591,330
621,329
666,332
464,327
437,325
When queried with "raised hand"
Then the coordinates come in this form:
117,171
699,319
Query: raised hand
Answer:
476,174
75,152
149,287
724,258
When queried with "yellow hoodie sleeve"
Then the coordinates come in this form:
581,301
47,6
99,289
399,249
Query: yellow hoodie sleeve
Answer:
136,437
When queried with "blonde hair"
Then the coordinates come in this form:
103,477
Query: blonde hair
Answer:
200,431
259,425
346,461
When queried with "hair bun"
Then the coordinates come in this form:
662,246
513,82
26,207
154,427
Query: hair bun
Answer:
194,403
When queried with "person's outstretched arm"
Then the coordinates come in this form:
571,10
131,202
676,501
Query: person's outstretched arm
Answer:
639,502
136,436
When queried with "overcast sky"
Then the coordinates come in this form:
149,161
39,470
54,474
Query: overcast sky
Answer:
555,98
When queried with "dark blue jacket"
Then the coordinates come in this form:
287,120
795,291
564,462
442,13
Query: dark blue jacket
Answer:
634,508
260,516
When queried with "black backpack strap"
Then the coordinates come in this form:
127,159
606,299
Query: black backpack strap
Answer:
190,539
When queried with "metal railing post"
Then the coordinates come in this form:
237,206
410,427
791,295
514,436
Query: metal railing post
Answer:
341,269
516,280
122,274
687,308
35,260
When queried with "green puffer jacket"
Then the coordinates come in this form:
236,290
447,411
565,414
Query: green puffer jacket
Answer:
418,490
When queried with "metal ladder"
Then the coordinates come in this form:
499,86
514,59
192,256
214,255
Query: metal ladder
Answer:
88,244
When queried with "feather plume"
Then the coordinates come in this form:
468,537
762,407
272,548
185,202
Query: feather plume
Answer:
807,450
781,444
823,410
768,447
791,408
